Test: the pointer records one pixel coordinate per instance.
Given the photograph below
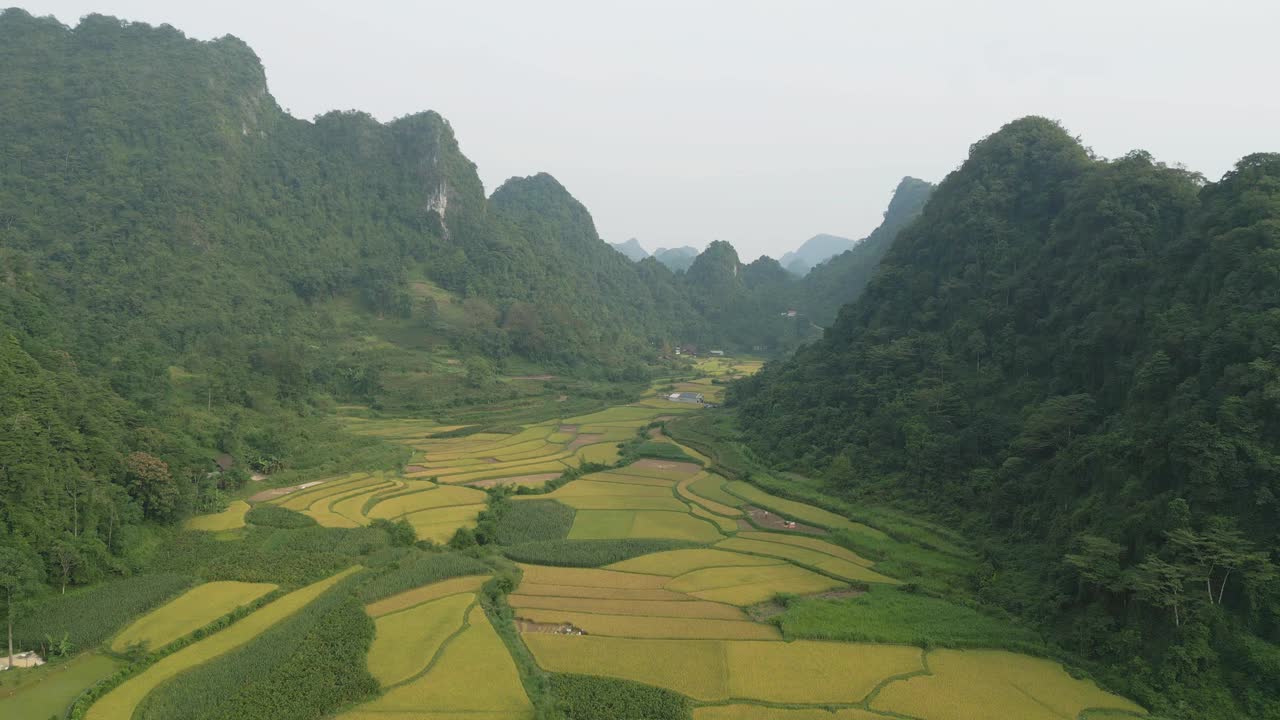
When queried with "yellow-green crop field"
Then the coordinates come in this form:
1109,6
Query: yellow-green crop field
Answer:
679,562
726,525
715,670
473,676
618,524
641,626
120,703
229,519
810,542
684,488
426,593
750,585
761,712
406,641
980,684
189,612
798,510
711,487
650,608
47,691
805,556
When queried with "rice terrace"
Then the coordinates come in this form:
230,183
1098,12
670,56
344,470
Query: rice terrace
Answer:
627,562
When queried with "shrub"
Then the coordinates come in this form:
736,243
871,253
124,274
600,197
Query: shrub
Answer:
531,521
585,697
589,553
275,516
417,570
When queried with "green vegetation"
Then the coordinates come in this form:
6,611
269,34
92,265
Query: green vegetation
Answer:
303,667
583,697
1070,359
87,618
892,615
660,450
48,691
589,553
530,521
266,515
418,569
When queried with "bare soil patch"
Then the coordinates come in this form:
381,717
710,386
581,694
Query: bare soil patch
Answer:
414,469
257,477
586,439
664,418
530,626
562,398
279,492
765,610
656,434
532,377
518,480
656,464
569,428
773,521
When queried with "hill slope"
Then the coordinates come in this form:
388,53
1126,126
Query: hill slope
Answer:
1076,361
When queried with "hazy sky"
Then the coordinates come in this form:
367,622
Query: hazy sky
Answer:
760,123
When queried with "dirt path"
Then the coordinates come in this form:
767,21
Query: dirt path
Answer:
655,464
279,492
519,480
529,626
772,521
581,440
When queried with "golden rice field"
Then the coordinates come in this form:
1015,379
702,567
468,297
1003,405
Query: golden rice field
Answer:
715,670
120,703
761,712
189,612
980,684
406,641
798,510
426,593
472,676
230,519
436,512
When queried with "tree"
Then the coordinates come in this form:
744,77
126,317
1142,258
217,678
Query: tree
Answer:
1098,562
1160,584
20,578
151,484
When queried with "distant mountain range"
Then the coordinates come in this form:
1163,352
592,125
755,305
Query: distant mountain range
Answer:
631,249
810,254
814,251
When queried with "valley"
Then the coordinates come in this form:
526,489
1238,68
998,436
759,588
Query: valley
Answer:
508,572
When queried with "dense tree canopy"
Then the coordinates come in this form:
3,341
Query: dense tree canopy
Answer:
1076,358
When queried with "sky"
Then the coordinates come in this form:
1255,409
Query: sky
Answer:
760,123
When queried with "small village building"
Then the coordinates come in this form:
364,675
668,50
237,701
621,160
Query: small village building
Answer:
718,353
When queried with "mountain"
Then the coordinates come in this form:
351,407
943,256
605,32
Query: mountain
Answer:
813,251
678,259
631,248
187,271
1076,361
842,278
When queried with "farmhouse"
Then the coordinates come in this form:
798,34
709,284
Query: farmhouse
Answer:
717,353
689,397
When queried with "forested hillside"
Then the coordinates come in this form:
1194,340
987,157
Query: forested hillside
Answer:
841,279
187,271
1077,362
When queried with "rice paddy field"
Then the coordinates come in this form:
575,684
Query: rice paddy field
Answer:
678,589
189,612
